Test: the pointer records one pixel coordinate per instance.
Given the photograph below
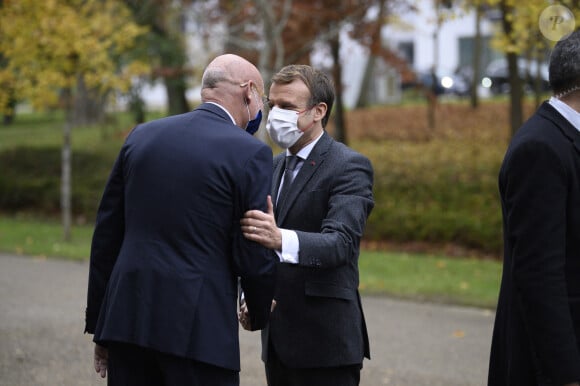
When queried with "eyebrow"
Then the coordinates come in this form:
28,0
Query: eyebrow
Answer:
282,102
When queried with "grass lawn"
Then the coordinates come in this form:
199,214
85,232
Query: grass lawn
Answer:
424,277
427,277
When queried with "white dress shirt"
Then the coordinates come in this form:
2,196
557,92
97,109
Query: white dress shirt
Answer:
227,112
567,112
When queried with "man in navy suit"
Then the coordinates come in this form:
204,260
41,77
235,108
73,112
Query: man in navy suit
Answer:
322,194
167,249
536,338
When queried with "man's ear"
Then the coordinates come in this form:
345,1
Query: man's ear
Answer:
248,91
320,111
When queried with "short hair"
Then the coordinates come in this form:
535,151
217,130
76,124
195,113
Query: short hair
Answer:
319,84
564,69
211,78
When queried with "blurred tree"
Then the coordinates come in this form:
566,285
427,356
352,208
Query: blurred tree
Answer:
320,22
8,105
369,34
165,46
53,46
274,34
476,60
367,31
509,44
519,38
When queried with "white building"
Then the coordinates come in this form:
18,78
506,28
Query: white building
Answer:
415,37
418,39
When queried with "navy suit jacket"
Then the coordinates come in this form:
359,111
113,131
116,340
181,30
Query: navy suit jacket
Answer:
167,248
536,338
318,320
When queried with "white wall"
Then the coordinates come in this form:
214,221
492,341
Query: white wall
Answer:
422,26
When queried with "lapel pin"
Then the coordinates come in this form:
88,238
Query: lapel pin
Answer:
312,163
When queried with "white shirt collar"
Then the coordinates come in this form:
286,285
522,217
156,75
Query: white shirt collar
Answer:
567,112
227,112
305,151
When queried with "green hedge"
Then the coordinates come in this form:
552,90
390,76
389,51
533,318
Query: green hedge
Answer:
31,183
437,191
440,191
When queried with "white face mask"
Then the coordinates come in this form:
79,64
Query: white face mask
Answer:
282,126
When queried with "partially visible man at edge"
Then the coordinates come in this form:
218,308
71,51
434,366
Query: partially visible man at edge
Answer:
536,337
167,248
317,333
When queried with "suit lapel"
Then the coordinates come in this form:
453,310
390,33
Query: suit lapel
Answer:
306,173
569,131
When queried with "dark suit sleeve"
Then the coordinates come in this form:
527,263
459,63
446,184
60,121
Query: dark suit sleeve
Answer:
349,204
254,264
535,198
106,243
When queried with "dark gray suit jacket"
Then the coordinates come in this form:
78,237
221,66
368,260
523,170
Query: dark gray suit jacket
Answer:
318,320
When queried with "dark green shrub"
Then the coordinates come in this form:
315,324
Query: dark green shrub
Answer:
437,192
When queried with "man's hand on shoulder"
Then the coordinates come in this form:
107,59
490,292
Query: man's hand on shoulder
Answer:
261,227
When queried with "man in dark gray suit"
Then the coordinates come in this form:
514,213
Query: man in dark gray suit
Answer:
167,249
536,338
322,194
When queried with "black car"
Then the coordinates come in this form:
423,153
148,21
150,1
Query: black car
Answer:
497,76
447,83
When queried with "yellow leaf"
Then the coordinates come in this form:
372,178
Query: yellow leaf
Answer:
460,334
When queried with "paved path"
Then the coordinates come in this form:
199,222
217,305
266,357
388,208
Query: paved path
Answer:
42,318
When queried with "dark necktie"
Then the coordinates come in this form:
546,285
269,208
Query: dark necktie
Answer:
291,162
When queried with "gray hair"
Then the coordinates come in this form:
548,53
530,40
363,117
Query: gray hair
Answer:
564,67
211,77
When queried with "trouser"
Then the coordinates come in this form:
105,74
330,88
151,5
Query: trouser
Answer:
131,365
278,374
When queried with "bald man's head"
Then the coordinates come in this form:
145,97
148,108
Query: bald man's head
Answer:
233,69
235,84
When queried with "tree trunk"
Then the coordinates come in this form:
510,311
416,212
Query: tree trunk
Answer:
271,55
363,96
10,110
89,107
516,93
474,99
431,95
65,187
375,47
176,100
339,122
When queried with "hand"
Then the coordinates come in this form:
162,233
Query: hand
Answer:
101,359
261,227
244,317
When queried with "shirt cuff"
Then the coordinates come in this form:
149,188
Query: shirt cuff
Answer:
290,247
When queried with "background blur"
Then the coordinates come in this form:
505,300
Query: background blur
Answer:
430,90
